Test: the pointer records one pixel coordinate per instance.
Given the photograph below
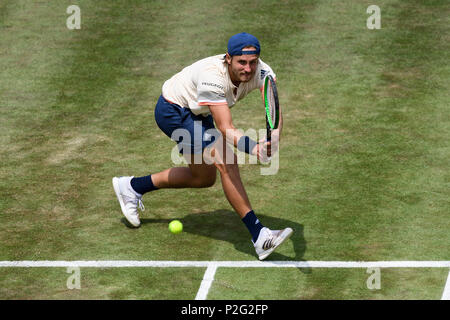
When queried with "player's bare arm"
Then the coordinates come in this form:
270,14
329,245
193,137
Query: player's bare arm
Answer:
222,118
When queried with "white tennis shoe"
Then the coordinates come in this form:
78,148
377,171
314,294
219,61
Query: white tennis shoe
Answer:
129,199
268,240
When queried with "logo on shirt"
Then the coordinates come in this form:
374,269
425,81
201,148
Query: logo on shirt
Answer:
212,85
263,73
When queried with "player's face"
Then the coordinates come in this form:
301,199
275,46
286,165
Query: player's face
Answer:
242,68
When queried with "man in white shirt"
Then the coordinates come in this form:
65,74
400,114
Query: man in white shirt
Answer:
191,102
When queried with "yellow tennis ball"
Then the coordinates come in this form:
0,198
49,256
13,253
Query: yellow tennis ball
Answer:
175,226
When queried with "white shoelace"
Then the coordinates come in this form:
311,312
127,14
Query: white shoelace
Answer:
141,204
136,201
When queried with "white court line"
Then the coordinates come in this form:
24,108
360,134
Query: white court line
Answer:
211,267
208,278
446,293
227,264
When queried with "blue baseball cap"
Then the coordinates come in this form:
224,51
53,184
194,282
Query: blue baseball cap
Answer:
240,41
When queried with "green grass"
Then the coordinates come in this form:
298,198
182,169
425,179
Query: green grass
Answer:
327,284
363,162
100,284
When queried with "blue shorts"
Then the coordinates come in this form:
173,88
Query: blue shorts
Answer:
192,133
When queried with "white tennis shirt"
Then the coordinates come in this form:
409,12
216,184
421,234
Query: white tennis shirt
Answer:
207,82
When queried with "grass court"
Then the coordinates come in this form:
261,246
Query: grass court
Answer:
364,159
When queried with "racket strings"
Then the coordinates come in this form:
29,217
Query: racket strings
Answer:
271,102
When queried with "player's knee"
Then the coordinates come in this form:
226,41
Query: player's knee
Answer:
227,169
208,181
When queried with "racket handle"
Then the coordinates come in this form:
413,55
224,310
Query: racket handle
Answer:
268,136
269,139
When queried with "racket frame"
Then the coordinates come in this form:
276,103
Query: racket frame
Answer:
271,125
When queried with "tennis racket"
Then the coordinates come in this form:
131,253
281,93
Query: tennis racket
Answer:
272,106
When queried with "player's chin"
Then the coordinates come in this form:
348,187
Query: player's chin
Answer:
246,77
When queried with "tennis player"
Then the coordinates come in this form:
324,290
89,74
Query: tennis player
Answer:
194,111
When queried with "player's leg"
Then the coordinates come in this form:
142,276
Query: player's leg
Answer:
264,240
195,176
226,162
129,190
188,130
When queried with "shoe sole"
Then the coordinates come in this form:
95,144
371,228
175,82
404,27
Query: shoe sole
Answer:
281,238
115,182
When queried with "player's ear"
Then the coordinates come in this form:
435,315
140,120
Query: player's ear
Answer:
228,58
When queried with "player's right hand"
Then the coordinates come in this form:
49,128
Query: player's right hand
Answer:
262,151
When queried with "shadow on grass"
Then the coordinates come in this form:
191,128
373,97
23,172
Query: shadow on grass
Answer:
225,225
